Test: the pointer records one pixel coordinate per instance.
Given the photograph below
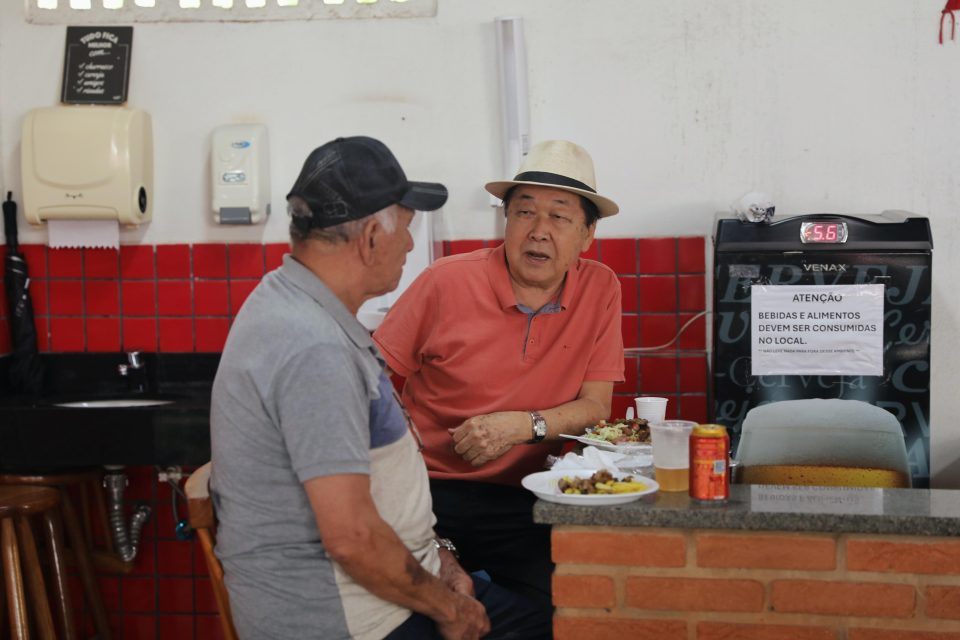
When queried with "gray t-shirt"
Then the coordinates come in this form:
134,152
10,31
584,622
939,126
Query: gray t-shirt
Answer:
300,393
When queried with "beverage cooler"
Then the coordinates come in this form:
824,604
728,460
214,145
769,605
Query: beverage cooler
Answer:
825,306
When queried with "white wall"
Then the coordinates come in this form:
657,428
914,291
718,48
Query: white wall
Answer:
832,106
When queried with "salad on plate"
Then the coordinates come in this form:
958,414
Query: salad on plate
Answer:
624,431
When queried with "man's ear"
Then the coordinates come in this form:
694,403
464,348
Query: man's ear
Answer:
368,239
588,238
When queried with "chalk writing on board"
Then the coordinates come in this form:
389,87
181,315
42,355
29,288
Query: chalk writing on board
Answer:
96,65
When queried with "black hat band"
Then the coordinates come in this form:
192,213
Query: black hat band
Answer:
552,178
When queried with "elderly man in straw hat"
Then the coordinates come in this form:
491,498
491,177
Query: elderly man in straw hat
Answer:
504,350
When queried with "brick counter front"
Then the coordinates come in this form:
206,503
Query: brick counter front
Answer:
705,583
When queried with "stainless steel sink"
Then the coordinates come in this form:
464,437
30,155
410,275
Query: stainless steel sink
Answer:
114,403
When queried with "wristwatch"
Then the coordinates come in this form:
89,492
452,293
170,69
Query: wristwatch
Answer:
446,543
539,427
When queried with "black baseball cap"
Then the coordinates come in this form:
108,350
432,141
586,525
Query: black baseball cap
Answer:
352,178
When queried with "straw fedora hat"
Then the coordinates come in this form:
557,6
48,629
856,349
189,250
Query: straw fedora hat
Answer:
561,165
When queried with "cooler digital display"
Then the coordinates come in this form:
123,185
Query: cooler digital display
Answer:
823,232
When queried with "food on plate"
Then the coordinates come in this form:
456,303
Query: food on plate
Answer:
622,431
601,482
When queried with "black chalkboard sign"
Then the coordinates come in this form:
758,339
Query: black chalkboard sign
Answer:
96,65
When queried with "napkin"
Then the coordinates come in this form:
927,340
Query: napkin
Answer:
635,462
83,233
592,458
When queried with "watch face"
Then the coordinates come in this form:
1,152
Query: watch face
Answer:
539,426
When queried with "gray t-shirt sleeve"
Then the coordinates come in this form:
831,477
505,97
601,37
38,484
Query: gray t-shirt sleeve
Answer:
323,403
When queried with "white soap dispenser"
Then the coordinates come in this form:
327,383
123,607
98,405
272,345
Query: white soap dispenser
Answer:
240,172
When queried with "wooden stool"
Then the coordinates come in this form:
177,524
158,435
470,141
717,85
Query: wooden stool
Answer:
17,505
203,520
78,531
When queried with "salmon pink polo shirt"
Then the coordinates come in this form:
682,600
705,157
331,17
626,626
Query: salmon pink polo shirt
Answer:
466,348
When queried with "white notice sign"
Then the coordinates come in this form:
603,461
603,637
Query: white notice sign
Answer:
833,330
844,500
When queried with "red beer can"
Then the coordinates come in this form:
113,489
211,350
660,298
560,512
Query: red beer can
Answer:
709,457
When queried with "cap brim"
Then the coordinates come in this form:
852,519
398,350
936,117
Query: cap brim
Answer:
424,196
605,206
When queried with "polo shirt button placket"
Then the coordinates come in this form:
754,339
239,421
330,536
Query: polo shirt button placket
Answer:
533,342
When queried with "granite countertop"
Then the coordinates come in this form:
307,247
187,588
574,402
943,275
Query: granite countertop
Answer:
923,512
37,432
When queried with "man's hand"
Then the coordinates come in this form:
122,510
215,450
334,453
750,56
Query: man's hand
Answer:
453,575
470,621
484,438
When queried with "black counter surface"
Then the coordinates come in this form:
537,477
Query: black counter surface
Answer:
38,435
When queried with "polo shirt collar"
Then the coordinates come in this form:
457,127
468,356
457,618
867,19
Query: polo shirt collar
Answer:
314,287
499,279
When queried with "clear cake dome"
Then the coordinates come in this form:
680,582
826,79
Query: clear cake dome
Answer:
822,441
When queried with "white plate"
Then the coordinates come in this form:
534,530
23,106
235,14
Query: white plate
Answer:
545,485
609,446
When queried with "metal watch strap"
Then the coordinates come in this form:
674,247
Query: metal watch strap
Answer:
446,543
538,427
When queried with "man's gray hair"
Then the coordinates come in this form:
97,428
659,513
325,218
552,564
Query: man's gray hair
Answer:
343,232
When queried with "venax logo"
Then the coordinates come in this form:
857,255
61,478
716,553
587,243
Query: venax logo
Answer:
839,268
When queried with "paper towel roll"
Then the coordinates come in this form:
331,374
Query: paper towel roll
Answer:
96,234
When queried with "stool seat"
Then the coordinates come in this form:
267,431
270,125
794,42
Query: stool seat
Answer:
20,559
26,500
47,479
78,532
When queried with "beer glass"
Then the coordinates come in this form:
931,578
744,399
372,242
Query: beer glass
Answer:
671,453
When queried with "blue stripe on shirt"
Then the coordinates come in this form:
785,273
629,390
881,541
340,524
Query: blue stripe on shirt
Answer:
387,424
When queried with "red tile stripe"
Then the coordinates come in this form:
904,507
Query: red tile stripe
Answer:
182,298
169,297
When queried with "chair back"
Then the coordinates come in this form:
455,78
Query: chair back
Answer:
204,522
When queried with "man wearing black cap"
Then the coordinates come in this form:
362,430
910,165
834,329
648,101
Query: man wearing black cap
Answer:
325,521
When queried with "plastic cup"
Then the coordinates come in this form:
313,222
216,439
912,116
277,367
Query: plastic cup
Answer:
671,453
651,409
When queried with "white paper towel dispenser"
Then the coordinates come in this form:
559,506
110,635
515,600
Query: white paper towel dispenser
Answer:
240,173
87,163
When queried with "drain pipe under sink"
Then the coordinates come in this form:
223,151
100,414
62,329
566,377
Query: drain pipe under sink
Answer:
126,543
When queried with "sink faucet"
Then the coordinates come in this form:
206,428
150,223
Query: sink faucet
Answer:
135,371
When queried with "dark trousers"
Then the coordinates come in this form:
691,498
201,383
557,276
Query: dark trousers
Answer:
512,617
492,526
